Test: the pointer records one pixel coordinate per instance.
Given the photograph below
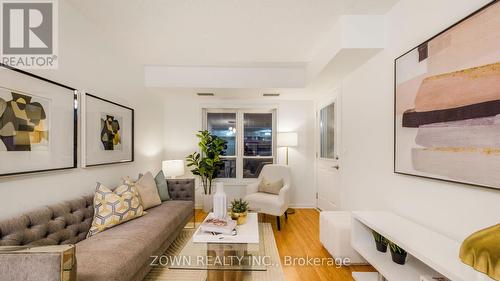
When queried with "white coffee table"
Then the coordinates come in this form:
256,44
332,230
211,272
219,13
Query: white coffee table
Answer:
247,233
247,246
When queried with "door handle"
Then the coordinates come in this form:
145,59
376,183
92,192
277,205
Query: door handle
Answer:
336,167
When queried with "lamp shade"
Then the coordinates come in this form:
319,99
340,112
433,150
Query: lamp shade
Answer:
173,168
288,139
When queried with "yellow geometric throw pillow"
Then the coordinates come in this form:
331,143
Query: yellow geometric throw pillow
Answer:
112,208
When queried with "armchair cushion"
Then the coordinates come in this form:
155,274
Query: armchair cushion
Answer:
265,203
270,187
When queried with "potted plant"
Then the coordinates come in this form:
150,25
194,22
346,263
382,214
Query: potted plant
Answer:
207,163
398,254
239,211
380,241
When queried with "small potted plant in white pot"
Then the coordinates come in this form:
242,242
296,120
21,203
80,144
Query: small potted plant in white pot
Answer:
207,164
239,211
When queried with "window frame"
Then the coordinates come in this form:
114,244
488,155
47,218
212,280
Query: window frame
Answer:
240,124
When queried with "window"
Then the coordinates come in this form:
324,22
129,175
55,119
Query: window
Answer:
327,131
250,136
223,125
257,142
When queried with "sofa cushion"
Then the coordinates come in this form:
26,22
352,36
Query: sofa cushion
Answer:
161,185
128,180
148,191
181,189
63,223
120,252
112,208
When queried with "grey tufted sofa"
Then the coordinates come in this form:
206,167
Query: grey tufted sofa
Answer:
122,253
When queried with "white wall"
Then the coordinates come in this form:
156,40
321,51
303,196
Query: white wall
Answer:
368,181
183,118
86,63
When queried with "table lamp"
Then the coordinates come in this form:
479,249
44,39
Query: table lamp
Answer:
173,168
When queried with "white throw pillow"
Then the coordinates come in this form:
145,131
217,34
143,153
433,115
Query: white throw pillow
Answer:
271,187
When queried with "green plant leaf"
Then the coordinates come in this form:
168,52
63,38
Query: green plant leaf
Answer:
207,163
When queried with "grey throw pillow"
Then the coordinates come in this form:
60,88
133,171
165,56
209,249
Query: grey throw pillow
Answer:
161,184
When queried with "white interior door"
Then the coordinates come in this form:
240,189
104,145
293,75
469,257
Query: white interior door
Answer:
327,159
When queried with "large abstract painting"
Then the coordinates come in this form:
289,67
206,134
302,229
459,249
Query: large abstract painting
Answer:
109,132
447,103
36,115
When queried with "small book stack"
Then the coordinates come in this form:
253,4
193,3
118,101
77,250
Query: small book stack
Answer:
218,226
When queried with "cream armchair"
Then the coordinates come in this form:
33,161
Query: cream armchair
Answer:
271,204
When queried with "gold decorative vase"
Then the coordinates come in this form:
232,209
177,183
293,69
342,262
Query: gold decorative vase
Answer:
240,218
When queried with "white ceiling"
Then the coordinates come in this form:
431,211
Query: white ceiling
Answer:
241,33
219,32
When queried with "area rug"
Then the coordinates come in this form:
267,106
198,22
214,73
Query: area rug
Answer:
273,273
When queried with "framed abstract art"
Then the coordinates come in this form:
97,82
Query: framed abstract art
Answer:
108,132
447,103
38,123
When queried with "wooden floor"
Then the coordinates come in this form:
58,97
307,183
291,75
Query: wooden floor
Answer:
299,237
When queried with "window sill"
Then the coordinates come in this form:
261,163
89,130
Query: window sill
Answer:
236,182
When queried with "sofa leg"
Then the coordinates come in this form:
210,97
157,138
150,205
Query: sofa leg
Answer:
278,223
286,215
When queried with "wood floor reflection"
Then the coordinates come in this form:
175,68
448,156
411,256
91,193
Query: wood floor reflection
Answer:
299,237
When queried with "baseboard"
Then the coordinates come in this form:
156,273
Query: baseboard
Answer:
302,206
294,206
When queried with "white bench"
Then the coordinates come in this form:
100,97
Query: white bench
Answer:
335,235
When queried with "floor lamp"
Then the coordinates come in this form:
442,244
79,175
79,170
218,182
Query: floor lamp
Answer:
288,139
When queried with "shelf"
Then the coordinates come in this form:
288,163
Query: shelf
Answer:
410,271
365,276
429,253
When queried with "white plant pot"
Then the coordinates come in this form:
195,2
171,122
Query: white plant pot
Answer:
220,201
207,203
